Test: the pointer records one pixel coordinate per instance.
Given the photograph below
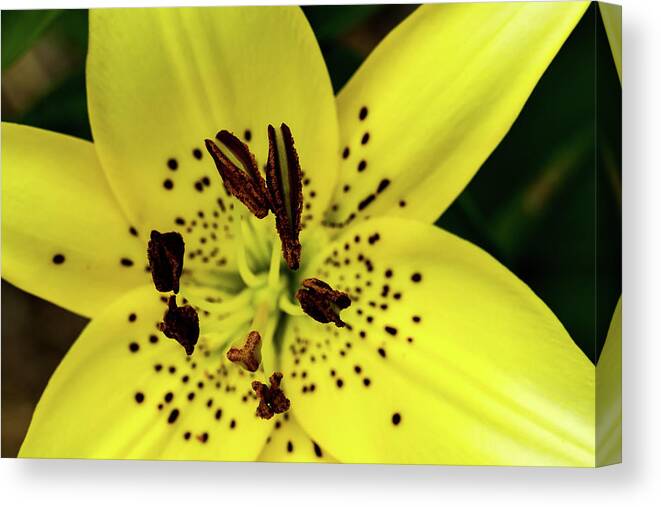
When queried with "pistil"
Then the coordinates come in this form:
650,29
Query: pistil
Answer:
249,355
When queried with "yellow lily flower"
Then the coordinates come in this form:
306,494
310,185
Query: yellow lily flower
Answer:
609,366
447,357
611,15
609,394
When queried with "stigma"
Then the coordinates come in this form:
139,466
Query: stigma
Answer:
249,356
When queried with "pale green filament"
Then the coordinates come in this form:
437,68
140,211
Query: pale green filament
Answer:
251,242
248,277
227,327
256,237
261,316
289,307
274,268
232,304
265,322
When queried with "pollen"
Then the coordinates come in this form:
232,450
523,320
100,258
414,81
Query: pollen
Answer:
272,400
284,183
181,323
245,183
165,253
321,302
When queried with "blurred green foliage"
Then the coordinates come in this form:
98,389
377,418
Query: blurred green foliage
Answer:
63,108
19,31
330,22
532,204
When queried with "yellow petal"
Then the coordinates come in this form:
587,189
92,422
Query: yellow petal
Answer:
609,394
449,358
436,97
64,237
160,81
611,15
109,396
289,442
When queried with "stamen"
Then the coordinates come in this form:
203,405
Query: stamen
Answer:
245,184
255,238
238,214
165,253
250,355
233,323
182,324
248,277
272,400
220,333
321,302
274,267
229,304
265,319
283,180
288,307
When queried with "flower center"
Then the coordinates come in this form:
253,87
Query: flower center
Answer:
238,324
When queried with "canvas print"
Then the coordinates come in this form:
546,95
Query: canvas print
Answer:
325,234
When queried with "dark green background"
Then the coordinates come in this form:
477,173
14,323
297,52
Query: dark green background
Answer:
546,203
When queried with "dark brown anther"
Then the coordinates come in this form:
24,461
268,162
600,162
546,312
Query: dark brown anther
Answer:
283,180
272,400
247,183
250,355
321,302
182,324
165,252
